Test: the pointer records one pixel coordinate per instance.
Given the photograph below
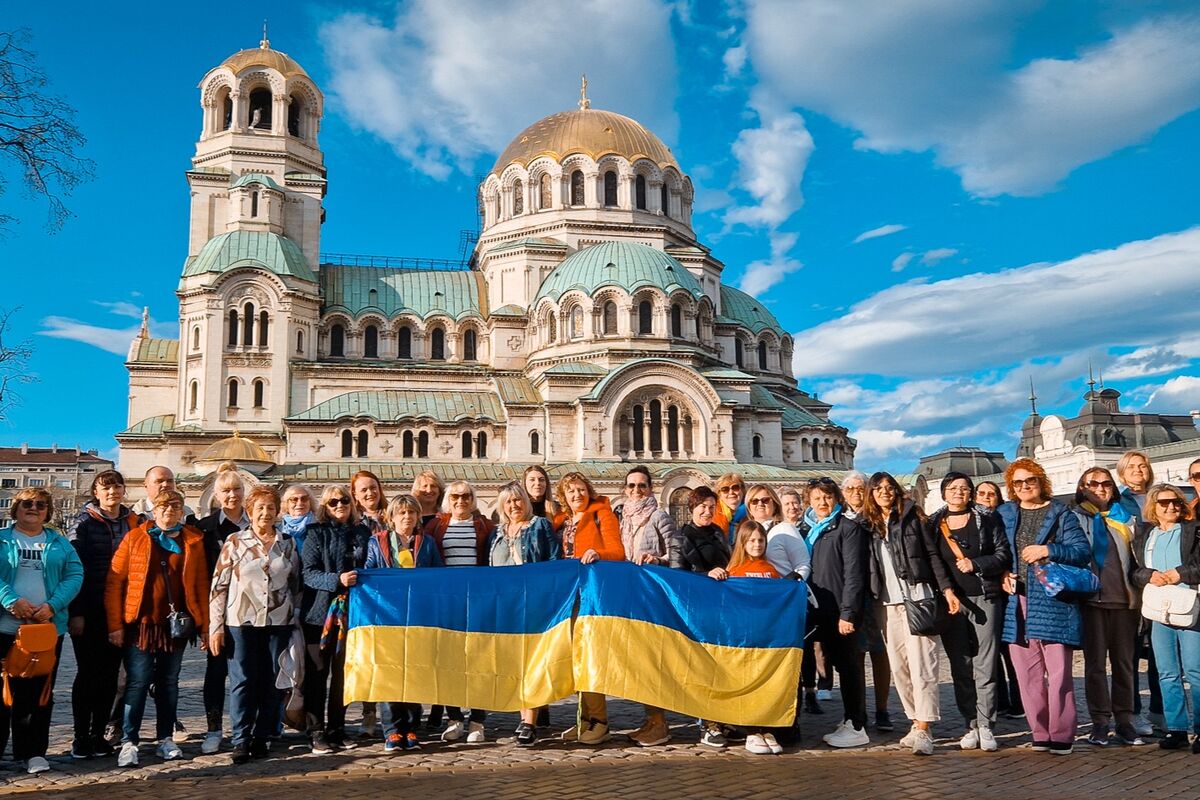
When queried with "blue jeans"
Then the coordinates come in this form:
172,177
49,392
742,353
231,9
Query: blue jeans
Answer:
142,669
254,702
1177,653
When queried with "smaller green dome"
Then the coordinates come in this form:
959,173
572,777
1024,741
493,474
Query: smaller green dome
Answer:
262,249
256,177
739,308
630,266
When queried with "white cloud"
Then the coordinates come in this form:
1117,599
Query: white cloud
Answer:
445,83
771,163
936,75
1179,395
1041,310
874,443
111,340
882,230
762,275
931,257
1154,360
901,261
121,308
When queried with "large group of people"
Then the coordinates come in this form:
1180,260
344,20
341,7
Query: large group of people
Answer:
262,583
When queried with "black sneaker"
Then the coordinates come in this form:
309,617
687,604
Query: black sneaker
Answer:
1196,746
82,749
101,748
883,721
240,753
1174,740
526,735
1061,748
258,748
320,745
1040,746
733,733
811,706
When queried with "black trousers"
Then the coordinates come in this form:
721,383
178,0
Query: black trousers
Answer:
95,687
324,678
26,718
842,652
215,673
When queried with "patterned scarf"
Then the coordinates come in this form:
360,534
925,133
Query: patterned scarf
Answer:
335,622
634,516
164,538
1115,519
816,527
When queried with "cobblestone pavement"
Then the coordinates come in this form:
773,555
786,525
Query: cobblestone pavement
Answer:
553,769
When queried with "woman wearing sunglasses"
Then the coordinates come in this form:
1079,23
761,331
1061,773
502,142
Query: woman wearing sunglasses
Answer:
1110,618
40,574
335,548
1043,630
1166,551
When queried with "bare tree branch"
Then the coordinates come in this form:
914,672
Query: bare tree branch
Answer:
14,364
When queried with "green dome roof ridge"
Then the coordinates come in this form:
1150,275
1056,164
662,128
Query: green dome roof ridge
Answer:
262,178
269,251
744,309
624,264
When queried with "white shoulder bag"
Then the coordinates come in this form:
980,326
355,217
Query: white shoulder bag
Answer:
1176,605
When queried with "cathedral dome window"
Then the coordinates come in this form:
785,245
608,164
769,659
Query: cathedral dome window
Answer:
371,342
404,342
467,444
610,189
233,328
361,442
545,193
347,444
481,445
518,197
639,191
576,322
406,444
645,318
470,344
738,357
756,444
295,114
609,318
437,345
577,193
260,109
264,326
337,341
551,328
253,204
762,356
665,200
676,321
423,444
248,325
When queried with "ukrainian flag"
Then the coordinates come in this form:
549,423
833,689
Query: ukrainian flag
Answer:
491,638
727,651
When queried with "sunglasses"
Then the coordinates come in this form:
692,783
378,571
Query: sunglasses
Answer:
1195,476
455,497
730,489
172,506
1025,483
1164,502
761,501
637,486
338,501
1100,485
39,505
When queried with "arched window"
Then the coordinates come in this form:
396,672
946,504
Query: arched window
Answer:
737,352
470,341
609,321
610,188
535,443
299,342
466,444
260,391
347,444
762,356
196,338
295,112
371,342
423,444
406,446
639,191
260,109
551,327
676,321
639,425
337,341
699,327
577,188
264,325
233,327
233,391
362,444
577,322
254,204
545,193
645,318
481,445
518,191
193,396
404,342
656,438
248,324
226,111
665,200
816,454
437,345
757,444
673,428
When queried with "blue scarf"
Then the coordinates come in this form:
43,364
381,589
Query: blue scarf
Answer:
164,540
1118,518
817,527
296,527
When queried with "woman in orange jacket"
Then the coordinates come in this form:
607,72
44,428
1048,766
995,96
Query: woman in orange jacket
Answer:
590,532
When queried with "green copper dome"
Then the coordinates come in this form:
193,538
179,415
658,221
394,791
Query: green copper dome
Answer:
739,308
630,266
260,249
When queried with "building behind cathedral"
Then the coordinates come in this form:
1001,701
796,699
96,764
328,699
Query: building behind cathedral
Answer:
589,330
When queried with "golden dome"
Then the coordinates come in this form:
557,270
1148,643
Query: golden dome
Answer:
596,133
264,56
234,448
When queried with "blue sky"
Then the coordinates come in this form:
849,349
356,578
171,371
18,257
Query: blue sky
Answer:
939,199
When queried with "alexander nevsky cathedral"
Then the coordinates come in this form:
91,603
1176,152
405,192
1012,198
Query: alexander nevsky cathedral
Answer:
589,329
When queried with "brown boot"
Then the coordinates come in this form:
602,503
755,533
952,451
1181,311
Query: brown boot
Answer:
654,732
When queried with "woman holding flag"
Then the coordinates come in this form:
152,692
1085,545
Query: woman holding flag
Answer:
1110,617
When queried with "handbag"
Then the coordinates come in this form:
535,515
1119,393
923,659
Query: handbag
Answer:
32,655
1175,605
926,617
180,624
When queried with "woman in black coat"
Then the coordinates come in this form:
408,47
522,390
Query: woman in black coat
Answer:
335,548
705,547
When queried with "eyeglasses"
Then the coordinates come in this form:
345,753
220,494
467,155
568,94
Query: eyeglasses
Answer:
637,486
1164,502
39,505
176,506
1100,485
456,497
1195,476
858,489
1025,483
762,501
730,489
960,489
338,501
300,499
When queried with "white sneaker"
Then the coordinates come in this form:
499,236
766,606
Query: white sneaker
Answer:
168,751
211,743
454,731
36,764
756,744
970,739
908,738
1142,725
987,741
475,733
776,747
835,731
847,736
922,743
824,694
128,757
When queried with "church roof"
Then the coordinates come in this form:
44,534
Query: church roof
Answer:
262,249
516,390
264,56
739,308
629,266
151,426
590,131
234,448
581,368
157,351
396,404
453,292
248,178
795,416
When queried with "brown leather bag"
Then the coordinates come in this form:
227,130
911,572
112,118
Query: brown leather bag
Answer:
32,656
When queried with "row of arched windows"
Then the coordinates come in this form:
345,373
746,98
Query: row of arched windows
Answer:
242,327
608,321
258,388
404,337
761,353
260,111
545,193
416,445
